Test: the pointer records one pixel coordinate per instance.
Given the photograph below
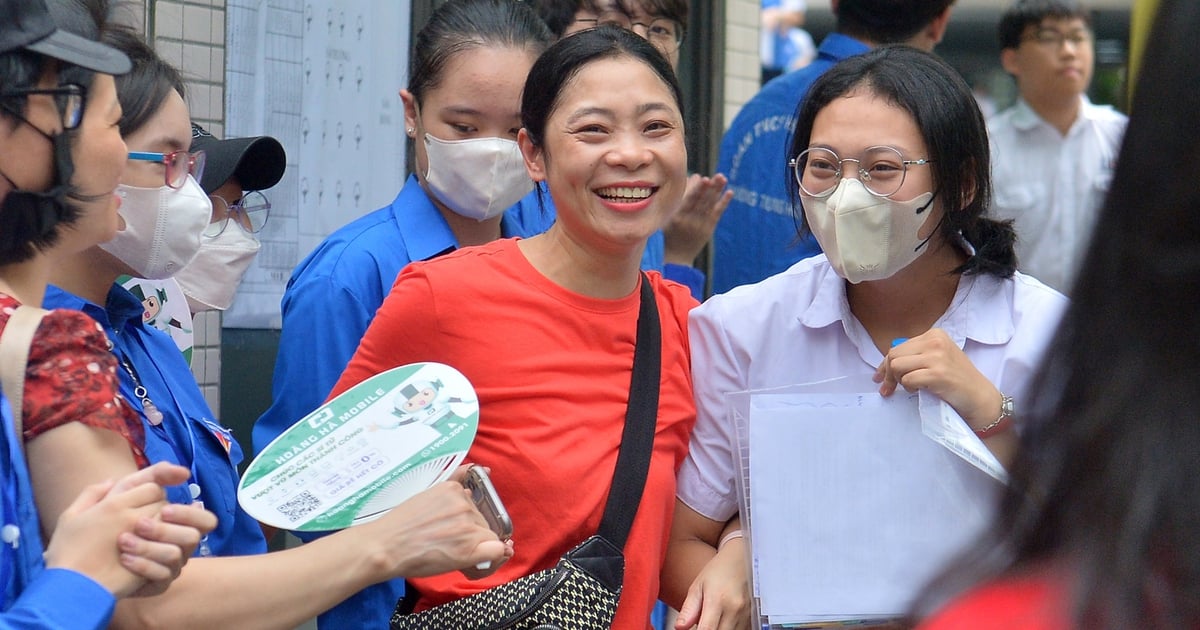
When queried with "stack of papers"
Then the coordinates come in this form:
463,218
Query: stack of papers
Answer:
856,501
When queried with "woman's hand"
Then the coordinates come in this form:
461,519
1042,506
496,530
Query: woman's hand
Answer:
434,532
691,225
719,598
933,362
123,535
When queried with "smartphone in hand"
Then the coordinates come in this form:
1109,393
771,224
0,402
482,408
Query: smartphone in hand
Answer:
483,493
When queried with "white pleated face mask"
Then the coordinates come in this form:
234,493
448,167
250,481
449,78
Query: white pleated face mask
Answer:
478,178
867,237
163,227
211,280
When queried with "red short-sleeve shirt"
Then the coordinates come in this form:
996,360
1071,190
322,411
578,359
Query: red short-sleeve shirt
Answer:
72,377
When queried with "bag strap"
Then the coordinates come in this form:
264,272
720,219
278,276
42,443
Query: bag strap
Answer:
641,419
14,357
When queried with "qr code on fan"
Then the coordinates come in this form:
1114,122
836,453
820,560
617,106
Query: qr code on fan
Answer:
299,507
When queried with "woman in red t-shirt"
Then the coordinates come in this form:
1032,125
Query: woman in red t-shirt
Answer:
545,328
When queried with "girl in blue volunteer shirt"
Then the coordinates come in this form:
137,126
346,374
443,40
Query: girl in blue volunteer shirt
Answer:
233,581
462,110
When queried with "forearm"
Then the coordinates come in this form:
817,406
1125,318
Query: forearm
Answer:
277,590
1003,446
692,544
436,531
685,560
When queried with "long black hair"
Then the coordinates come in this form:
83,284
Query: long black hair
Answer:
945,112
1104,484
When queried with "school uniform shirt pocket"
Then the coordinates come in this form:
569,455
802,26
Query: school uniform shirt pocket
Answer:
1026,204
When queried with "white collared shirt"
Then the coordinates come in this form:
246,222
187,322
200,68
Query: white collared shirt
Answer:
1053,185
796,327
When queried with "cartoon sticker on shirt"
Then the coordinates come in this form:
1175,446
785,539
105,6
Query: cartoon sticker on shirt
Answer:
166,309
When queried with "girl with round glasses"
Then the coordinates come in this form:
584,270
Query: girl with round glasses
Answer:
916,289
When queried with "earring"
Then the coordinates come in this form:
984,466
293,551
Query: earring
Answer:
411,131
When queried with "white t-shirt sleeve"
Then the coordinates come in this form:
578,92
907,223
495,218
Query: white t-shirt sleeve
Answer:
706,480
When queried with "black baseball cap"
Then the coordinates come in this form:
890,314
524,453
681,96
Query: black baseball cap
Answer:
27,24
258,161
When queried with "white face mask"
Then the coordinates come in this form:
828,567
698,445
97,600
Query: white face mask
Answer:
212,278
162,228
867,237
478,178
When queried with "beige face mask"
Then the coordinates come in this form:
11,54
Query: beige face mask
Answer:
867,237
211,280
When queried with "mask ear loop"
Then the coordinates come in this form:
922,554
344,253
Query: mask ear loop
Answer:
936,227
45,209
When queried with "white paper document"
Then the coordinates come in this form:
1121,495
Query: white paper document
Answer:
853,507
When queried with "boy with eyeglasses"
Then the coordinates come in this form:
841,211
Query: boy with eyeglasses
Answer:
1053,152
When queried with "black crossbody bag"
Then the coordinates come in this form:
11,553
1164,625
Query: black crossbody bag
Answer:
581,592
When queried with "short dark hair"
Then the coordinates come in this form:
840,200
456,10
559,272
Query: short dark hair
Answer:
27,230
1025,13
671,9
950,123
559,65
19,68
560,14
461,25
887,21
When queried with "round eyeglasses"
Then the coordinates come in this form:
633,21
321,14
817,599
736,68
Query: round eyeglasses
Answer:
69,98
881,170
664,34
249,213
179,164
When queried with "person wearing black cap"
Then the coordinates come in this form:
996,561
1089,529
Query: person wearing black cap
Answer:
58,146
235,172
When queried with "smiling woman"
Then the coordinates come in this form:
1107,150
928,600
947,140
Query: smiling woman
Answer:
545,328
611,148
